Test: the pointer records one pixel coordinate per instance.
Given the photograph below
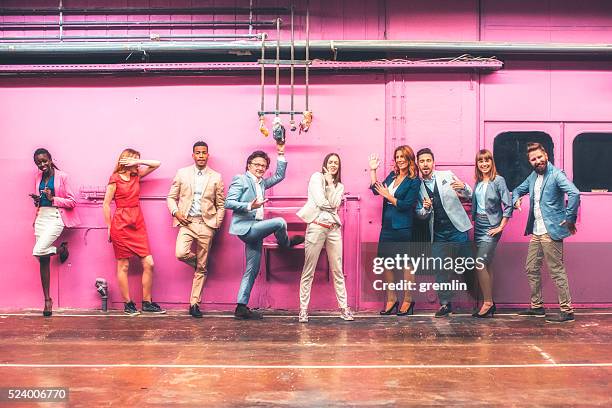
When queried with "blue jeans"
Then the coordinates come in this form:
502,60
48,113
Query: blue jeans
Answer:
253,242
448,242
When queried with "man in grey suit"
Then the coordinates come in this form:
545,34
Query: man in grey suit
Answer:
246,198
439,200
549,222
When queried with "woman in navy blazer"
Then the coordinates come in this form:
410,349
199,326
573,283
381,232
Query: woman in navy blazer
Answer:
400,192
491,210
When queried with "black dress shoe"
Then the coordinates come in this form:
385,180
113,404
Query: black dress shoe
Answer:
444,310
296,240
409,311
194,311
242,312
537,312
562,317
391,310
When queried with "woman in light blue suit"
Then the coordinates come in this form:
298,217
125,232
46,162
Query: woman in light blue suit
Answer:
491,210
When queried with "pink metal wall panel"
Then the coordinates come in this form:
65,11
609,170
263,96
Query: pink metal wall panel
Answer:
87,122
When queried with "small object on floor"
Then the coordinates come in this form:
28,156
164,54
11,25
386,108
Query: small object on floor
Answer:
48,311
537,312
129,308
306,121
445,310
194,311
152,307
262,126
303,317
563,317
242,312
278,131
347,314
63,252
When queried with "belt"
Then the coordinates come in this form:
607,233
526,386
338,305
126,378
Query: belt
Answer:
328,226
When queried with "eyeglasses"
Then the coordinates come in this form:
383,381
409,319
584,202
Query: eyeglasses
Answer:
261,166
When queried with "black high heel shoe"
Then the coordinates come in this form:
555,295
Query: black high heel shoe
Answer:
64,253
489,313
409,311
391,310
47,312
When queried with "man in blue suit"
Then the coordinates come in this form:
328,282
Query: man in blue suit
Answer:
549,222
246,198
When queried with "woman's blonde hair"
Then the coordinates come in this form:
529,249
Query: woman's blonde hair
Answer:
408,153
119,168
485,154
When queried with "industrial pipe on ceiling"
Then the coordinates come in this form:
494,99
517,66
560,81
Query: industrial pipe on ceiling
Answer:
80,48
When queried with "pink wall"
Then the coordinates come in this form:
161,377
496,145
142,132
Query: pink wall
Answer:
86,121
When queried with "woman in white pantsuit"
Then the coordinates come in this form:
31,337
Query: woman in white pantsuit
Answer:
325,192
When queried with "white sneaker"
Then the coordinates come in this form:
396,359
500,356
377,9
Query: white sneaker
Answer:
346,314
303,317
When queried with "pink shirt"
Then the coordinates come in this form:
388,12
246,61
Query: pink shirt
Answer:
64,199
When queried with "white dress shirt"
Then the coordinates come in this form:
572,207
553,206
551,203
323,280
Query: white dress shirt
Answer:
198,191
538,226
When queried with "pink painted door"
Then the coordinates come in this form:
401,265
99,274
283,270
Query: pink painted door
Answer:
586,157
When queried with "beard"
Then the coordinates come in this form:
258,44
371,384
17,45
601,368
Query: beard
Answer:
540,169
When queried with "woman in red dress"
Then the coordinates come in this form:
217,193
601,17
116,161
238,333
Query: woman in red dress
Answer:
126,228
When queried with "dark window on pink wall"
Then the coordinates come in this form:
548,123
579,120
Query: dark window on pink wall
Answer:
510,154
592,161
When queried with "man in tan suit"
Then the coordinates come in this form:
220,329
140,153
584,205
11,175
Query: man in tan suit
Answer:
197,202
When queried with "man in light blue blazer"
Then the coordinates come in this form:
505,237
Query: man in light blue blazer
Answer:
549,222
246,198
439,199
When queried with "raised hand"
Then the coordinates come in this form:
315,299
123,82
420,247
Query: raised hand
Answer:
457,184
374,161
129,161
328,176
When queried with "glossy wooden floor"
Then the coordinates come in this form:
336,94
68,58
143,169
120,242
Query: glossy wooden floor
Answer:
176,360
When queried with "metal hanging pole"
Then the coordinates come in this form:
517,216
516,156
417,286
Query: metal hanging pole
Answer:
277,65
61,21
307,114
292,120
251,17
307,50
262,116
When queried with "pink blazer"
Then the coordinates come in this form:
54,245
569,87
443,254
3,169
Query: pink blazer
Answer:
64,199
